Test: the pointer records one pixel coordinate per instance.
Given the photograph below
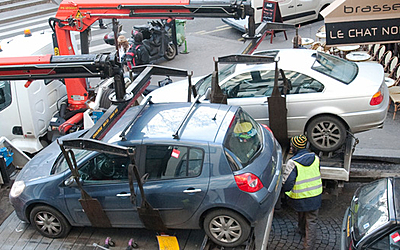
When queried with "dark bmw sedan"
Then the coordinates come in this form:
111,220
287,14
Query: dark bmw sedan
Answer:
373,219
204,166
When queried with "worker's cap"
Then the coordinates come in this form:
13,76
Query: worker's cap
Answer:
299,141
122,39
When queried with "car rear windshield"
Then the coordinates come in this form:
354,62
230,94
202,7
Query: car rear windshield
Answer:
243,140
369,208
335,67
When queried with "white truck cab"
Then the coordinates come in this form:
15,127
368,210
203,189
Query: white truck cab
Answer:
25,113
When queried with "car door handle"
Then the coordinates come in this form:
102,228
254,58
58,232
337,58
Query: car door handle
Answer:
192,190
124,195
299,5
291,7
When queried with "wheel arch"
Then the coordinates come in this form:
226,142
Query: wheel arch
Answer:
320,17
30,207
325,114
207,211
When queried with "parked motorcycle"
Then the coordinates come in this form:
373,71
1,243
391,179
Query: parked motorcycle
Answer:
157,39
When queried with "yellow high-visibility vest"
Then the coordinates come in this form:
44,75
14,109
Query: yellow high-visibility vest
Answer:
308,182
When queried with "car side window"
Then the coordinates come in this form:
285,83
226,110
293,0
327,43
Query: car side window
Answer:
302,83
250,84
105,167
5,94
168,162
390,241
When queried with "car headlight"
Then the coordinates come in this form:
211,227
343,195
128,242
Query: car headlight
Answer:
17,188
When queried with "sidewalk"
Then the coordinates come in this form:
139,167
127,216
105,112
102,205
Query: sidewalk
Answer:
5,207
381,143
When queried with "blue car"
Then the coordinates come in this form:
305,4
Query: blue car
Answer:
206,166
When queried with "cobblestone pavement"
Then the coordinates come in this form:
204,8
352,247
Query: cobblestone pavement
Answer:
283,234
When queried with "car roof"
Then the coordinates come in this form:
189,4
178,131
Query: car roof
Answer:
161,121
40,43
288,59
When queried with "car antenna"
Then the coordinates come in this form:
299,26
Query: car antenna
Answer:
123,133
216,113
176,134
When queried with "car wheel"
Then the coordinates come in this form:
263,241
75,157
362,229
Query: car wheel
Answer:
326,133
226,228
49,222
170,52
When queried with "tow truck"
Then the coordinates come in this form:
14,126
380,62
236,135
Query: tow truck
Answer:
76,68
126,93
107,66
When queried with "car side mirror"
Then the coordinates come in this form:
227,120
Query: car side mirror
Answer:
70,182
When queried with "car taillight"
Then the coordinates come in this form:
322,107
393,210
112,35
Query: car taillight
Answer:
376,99
248,182
265,126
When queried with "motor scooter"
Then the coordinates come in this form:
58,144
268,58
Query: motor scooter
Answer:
158,39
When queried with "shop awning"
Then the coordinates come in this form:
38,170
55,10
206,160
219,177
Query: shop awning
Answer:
362,22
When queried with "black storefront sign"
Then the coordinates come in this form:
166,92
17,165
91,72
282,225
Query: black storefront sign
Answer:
369,31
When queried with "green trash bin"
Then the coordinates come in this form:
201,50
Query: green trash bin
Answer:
180,31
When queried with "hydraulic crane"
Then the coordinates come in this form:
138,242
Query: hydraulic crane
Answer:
87,66
79,15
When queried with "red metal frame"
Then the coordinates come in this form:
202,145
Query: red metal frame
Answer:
78,15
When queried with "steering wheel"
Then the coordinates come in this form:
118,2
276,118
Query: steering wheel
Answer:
105,168
232,93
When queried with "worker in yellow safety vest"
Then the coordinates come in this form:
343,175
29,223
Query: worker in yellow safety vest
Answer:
303,186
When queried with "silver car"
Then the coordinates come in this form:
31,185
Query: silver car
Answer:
328,96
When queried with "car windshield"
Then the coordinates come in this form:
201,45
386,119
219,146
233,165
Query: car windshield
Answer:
61,164
203,84
370,208
335,67
243,138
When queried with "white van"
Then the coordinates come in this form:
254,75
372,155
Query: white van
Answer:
292,11
25,113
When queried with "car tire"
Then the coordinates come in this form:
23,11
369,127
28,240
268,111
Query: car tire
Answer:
226,228
326,133
105,101
49,222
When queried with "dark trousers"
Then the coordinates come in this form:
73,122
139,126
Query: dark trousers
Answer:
308,227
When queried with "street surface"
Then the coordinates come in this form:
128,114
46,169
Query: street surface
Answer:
206,39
